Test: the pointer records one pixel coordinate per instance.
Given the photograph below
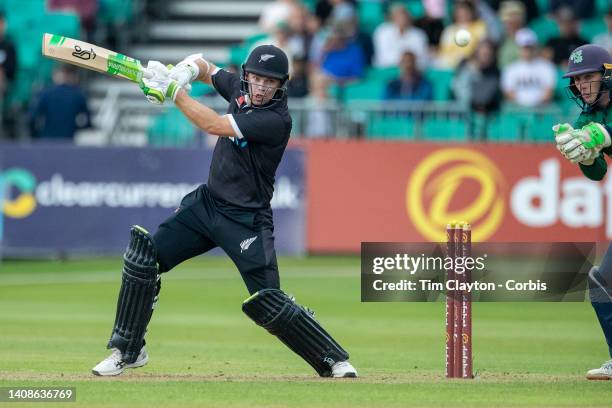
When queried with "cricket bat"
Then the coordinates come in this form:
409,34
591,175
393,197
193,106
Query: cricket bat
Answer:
93,57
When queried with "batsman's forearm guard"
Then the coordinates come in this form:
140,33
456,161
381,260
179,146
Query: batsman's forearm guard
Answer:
139,289
295,326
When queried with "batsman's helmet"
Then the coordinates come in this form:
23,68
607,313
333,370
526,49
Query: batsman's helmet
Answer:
268,61
584,59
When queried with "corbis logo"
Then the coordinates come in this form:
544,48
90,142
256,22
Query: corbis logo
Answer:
456,184
18,192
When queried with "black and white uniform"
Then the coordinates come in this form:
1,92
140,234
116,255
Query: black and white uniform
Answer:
232,210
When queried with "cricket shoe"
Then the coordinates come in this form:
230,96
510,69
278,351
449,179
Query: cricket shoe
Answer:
343,369
114,364
602,373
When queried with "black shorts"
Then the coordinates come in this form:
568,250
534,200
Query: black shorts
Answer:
202,223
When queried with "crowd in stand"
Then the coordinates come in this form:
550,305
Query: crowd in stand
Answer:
505,62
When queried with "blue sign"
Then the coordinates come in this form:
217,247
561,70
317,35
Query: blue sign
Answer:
73,200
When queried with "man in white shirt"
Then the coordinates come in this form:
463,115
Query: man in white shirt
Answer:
398,35
530,81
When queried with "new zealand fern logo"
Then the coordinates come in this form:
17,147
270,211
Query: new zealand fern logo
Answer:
576,57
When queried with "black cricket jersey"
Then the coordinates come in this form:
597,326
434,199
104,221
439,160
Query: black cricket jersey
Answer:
243,168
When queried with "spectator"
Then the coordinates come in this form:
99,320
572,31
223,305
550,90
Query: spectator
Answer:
274,13
8,70
342,9
512,15
298,83
318,117
530,6
85,9
465,17
59,110
349,19
300,36
558,49
324,8
476,83
530,81
489,17
342,58
411,85
392,38
605,39
432,23
582,9
280,38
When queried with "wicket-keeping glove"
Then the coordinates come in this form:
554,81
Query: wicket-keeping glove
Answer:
593,136
186,71
562,132
156,85
571,146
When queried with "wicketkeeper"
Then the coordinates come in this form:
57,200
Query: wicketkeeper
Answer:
585,143
231,211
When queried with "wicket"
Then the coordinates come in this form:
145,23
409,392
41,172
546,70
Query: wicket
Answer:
458,304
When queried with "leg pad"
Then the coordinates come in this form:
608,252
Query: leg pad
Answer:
139,290
295,326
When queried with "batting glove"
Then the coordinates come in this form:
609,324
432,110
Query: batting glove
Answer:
593,136
156,85
186,71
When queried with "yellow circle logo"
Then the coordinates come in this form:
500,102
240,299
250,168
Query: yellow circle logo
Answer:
24,203
436,183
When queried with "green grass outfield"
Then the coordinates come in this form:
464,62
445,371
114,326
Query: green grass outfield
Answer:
55,318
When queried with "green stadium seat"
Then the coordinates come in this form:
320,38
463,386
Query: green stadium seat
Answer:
602,6
239,53
562,83
364,90
361,90
543,6
66,24
505,128
444,129
382,74
310,4
116,11
539,128
393,128
21,88
415,7
441,80
171,129
200,88
371,14
545,28
590,28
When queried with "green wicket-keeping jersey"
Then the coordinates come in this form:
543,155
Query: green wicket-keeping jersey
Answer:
603,116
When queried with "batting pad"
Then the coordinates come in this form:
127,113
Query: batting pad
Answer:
295,326
136,296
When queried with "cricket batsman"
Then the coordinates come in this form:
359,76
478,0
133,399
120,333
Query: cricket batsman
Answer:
232,211
585,143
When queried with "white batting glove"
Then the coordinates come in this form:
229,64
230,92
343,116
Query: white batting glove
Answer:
186,71
156,85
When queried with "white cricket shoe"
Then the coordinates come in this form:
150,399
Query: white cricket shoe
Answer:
114,365
602,373
343,369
